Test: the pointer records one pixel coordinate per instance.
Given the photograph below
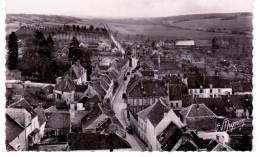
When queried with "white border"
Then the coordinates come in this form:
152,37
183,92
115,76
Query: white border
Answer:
256,101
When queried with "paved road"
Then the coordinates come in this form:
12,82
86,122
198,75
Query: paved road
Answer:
119,107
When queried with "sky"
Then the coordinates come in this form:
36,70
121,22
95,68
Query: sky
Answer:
127,8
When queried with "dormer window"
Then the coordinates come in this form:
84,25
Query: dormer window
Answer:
210,85
201,86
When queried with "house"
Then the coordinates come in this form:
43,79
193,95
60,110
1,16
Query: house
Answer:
48,91
77,73
169,137
97,141
185,43
42,120
146,92
80,91
64,90
240,105
216,105
147,74
175,95
22,112
153,120
208,86
58,122
15,135
199,117
242,88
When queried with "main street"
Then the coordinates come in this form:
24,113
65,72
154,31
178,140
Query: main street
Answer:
119,107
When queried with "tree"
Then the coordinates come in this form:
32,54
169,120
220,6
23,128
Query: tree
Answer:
12,58
74,50
86,62
91,28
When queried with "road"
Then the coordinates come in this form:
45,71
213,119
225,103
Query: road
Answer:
119,107
119,104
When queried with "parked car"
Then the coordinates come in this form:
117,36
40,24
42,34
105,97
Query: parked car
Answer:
124,95
129,130
125,78
128,73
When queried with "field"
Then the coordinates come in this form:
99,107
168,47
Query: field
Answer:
201,26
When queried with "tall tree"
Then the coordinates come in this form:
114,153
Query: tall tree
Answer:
74,50
86,62
12,58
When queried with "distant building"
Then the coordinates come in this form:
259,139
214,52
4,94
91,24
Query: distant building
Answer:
242,88
208,86
64,90
77,73
146,92
185,43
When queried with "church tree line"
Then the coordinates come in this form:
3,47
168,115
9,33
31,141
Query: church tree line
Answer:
38,62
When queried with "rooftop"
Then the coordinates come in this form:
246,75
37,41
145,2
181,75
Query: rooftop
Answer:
146,88
197,110
169,137
96,141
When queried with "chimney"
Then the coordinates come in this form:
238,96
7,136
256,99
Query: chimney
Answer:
142,86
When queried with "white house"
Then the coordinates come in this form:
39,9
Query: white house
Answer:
64,90
208,86
184,43
77,73
22,112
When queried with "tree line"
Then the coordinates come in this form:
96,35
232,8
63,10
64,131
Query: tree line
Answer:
39,62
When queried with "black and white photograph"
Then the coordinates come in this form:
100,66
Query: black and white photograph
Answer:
128,75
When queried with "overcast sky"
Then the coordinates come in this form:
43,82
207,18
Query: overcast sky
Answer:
127,8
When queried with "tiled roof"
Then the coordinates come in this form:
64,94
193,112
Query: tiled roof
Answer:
197,110
99,89
175,92
242,87
23,104
205,81
93,114
157,112
81,88
65,85
58,120
217,105
76,71
238,101
143,114
169,137
146,88
149,73
187,100
106,78
13,129
41,115
104,84
96,141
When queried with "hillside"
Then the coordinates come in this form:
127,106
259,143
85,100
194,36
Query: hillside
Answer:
200,26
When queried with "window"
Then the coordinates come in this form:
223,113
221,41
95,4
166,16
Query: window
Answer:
210,96
177,104
201,90
58,96
219,90
210,90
